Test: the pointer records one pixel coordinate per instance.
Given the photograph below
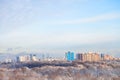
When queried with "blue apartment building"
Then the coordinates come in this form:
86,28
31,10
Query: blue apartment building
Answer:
69,56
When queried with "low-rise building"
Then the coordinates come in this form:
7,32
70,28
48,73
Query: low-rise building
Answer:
27,58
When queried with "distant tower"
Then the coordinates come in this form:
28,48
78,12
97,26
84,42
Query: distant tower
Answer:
33,57
69,56
79,56
102,56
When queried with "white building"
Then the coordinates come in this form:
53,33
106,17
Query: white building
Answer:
27,58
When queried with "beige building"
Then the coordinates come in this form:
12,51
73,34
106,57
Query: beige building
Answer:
108,57
88,56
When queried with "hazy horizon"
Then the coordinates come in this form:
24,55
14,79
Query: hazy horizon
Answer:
51,26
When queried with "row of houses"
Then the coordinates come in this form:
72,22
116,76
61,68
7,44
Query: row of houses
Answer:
90,56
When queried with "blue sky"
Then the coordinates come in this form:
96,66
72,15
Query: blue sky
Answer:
56,26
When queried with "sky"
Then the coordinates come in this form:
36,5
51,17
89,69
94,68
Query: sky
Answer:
57,26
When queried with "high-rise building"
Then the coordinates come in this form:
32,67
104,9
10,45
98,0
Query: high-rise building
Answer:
88,56
69,56
102,56
79,56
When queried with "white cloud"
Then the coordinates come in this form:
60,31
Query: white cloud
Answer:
103,17
27,39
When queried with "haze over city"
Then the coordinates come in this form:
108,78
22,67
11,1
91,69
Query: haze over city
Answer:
57,26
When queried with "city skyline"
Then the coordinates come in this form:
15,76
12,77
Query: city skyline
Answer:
52,26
